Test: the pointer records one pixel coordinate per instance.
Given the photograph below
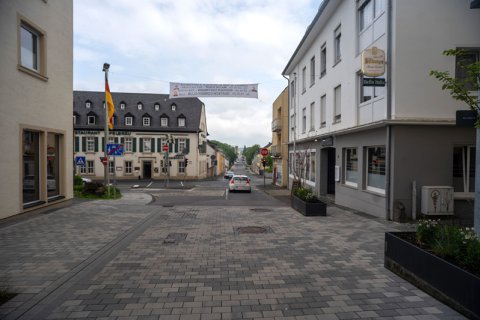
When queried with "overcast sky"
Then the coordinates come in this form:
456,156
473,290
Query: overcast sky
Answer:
150,43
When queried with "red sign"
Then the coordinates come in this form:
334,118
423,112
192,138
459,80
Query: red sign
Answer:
104,160
264,152
165,148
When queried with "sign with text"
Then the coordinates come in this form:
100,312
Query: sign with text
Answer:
373,62
374,82
189,90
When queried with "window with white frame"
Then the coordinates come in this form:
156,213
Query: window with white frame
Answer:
304,120
31,47
83,169
323,60
304,79
164,122
312,71
464,169
182,144
74,119
292,93
147,145
350,165
337,104
375,169
91,120
174,107
88,104
111,166
139,106
312,116
90,144
157,107
122,106
181,122
312,166
323,110
128,167
146,121
128,121
181,166
90,167
111,139
368,92
337,44
128,144
369,11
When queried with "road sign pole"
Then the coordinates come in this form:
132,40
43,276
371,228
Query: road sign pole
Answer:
106,178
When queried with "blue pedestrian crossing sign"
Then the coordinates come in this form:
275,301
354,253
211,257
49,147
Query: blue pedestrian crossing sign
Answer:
80,161
114,149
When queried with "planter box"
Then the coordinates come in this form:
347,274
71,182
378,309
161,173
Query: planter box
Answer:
309,208
446,282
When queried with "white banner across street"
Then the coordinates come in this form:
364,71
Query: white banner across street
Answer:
188,90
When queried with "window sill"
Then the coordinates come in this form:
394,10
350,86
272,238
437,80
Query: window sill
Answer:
350,185
33,73
33,204
336,63
322,75
377,192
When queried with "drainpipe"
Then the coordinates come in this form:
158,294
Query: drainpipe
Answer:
388,171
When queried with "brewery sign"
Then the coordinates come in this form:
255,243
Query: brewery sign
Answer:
373,62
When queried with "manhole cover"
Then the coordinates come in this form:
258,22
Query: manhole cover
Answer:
252,230
261,210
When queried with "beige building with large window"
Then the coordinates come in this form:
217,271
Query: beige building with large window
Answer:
36,60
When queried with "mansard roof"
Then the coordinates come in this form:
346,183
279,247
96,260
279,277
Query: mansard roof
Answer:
190,108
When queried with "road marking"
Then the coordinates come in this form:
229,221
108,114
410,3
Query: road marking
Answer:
149,184
226,194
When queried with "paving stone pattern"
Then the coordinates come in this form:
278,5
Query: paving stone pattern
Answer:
303,268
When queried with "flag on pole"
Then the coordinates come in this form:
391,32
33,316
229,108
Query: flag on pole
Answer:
110,106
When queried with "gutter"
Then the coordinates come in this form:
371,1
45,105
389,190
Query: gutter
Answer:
388,168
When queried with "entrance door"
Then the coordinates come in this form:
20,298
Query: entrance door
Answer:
331,171
147,169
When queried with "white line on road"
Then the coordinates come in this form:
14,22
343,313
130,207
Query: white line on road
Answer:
149,184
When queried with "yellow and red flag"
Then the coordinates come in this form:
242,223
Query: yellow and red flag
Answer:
110,106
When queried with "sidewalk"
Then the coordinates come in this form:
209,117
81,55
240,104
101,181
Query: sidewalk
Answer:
128,260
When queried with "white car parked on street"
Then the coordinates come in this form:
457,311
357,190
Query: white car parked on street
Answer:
239,183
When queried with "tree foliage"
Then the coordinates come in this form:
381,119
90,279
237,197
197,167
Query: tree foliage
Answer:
461,88
250,152
227,150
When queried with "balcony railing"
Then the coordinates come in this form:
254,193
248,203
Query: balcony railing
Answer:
276,125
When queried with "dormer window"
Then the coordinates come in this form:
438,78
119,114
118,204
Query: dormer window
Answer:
174,107
128,121
157,107
139,106
122,105
164,121
181,122
146,121
88,104
91,120
74,119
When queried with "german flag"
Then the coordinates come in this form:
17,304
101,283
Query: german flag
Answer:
111,107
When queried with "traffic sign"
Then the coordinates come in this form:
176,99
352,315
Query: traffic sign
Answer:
114,149
80,161
264,152
165,148
104,160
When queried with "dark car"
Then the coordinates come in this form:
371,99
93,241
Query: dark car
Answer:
228,175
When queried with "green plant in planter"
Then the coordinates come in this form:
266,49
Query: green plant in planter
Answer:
306,194
426,231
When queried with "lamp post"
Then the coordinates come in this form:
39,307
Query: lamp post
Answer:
106,66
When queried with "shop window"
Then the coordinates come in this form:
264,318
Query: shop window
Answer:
31,167
351,167
375,168
53,164
464,169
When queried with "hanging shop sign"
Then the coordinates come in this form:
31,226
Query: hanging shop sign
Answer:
373,62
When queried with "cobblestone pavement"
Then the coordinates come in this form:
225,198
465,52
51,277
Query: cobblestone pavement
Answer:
129,260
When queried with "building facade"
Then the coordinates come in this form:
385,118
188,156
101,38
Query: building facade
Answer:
35,98
162,138
367,146
279,148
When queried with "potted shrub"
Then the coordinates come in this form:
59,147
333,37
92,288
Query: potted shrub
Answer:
442,260
307,203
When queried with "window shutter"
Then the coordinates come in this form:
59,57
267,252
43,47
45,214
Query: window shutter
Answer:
77,140
134,144
96,144
122,140
176,145
187,146
170,147
159,145
152,144
103,144
84,144
141,145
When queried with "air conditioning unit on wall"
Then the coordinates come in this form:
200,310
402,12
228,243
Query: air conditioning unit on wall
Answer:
437,200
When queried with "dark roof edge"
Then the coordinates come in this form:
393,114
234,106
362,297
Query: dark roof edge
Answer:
307,33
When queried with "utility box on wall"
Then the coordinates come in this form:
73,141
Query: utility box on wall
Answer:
437,200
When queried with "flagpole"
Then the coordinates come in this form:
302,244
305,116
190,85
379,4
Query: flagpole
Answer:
106,181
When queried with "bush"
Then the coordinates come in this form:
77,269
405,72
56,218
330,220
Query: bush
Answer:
306,194
459,245
77,180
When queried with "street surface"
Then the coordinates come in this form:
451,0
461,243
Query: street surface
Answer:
202,253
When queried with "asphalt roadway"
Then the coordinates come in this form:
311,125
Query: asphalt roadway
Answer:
139,258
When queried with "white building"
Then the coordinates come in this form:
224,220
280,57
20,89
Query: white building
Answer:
36,63
162,138
365,145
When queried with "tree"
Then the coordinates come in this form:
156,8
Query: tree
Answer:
460,88
227,149
250,153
